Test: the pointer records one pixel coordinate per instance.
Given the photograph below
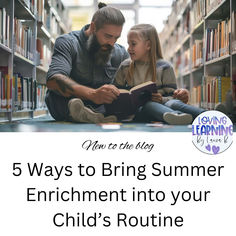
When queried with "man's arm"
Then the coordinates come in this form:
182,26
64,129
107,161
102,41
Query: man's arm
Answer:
69,88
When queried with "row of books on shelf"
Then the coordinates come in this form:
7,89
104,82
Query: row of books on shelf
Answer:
57,5
4,27
20,93
45,19
197,12
217,39
23,31
51,23
177,64
234,30
23,36
43,53
186,60
200,8
211,91
190,17
49,19
197,53
182,61
177,7
217,44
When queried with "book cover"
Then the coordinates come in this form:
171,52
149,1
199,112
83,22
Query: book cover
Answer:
129,101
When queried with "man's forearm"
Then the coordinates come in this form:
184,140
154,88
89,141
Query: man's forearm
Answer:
68,87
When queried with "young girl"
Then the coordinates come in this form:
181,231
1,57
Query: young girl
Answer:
146,63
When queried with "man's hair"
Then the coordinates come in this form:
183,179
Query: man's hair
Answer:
107,15
147,32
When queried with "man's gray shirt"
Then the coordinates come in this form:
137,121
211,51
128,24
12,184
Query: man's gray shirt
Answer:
71,58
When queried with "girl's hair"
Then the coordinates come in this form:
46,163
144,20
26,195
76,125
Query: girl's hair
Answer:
147,32
107,15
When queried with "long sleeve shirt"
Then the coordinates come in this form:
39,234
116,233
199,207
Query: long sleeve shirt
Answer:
165,81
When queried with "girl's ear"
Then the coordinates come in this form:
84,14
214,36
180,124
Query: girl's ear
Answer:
148,44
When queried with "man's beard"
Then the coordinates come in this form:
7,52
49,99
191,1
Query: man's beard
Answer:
100,55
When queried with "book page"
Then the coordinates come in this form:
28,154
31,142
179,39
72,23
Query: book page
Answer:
141,85
124,91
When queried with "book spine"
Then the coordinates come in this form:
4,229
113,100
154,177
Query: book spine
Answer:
219,89
4,101
0,90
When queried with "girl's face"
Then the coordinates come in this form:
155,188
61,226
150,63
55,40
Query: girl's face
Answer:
138,48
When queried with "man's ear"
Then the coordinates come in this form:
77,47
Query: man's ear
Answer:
93,27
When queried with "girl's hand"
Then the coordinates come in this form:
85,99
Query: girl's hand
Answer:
182,95
157,97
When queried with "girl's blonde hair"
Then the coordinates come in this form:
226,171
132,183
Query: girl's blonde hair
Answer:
147,32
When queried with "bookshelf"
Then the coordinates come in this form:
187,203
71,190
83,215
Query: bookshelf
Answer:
28,29
204,57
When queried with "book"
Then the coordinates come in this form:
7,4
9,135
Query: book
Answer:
129,101
225,88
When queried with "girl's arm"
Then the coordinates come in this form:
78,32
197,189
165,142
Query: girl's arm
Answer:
170,88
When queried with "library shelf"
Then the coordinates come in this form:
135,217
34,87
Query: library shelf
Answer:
233,53
42,31
42,69
198,28
20,61
22,11
5,48
197,69
219,10
219,60
187,73
19,57
53,40
212,28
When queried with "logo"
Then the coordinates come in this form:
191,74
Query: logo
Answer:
212,132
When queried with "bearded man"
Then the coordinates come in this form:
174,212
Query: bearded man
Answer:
83,65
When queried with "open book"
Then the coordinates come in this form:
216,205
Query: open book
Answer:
129,101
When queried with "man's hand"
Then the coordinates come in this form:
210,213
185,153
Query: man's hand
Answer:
181,94
105,94
157,97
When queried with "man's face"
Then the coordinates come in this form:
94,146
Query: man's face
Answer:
101,42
